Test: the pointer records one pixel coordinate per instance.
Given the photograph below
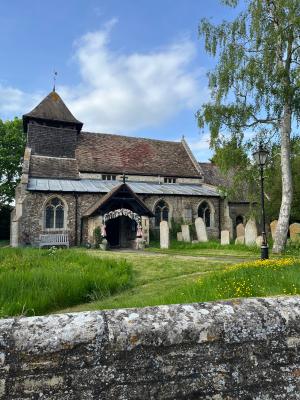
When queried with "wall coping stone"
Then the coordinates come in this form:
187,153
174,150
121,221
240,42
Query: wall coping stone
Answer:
60,346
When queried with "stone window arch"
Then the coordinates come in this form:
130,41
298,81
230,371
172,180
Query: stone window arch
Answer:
161,212
55,214
206,212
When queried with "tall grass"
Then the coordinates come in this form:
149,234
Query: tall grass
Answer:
34,282
210,245
252,279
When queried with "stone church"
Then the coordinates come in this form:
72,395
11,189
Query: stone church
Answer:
75,181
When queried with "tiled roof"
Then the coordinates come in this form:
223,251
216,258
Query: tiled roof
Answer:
52,108
117,154
114,192
99,186
213,176
53,167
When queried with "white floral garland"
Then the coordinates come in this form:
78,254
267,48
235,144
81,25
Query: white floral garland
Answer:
122,212
119,213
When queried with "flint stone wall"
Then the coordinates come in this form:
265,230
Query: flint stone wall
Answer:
244,349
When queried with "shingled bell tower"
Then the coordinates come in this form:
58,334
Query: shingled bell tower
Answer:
51,128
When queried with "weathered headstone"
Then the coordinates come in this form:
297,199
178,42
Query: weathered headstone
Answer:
228,223
295,232
259,241
240,230
179,236
273,226
225,237
201,230
240,240
164,235
146,229
250,233
195,241
186,235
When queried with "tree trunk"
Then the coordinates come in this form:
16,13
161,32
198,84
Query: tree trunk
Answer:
287,188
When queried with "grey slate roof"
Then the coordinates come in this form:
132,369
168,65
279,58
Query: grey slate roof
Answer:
99,186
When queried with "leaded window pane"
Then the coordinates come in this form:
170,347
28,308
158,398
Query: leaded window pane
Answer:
204,213
157,216
59,218
165,214
55,202
49,217
161,212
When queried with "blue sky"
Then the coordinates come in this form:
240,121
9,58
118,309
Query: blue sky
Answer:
133,67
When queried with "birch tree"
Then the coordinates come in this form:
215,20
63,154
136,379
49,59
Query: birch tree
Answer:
256,82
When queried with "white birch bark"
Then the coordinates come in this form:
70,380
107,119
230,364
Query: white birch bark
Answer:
287,188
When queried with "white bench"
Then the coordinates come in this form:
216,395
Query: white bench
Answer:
54,239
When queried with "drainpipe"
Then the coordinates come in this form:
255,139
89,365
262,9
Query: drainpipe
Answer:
76,218
219,217
81,231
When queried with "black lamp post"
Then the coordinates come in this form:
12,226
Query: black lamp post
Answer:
260,157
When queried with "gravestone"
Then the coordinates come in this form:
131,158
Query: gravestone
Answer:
179,236
259,241
228,223
225,237
240,240
240,230
201,230
186,235
273,226
295,232
146,229
250,233
164,235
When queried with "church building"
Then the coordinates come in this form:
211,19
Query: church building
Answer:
75,181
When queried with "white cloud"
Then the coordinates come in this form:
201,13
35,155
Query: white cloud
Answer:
201,143
15,102
124,92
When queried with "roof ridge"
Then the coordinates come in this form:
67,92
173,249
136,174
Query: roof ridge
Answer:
129,137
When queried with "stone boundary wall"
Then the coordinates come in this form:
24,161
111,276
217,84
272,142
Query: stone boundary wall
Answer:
248,349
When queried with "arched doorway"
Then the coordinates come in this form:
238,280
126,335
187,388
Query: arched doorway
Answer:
121,227
121,231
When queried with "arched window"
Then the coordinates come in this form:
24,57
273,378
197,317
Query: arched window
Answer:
161,212
205,213
54,214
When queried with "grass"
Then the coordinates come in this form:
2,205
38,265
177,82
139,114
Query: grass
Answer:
250,279
157,277
206,248
4,243
179,278
35,282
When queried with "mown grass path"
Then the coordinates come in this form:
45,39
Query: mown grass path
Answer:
158,274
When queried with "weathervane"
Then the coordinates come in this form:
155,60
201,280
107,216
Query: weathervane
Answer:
54,79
